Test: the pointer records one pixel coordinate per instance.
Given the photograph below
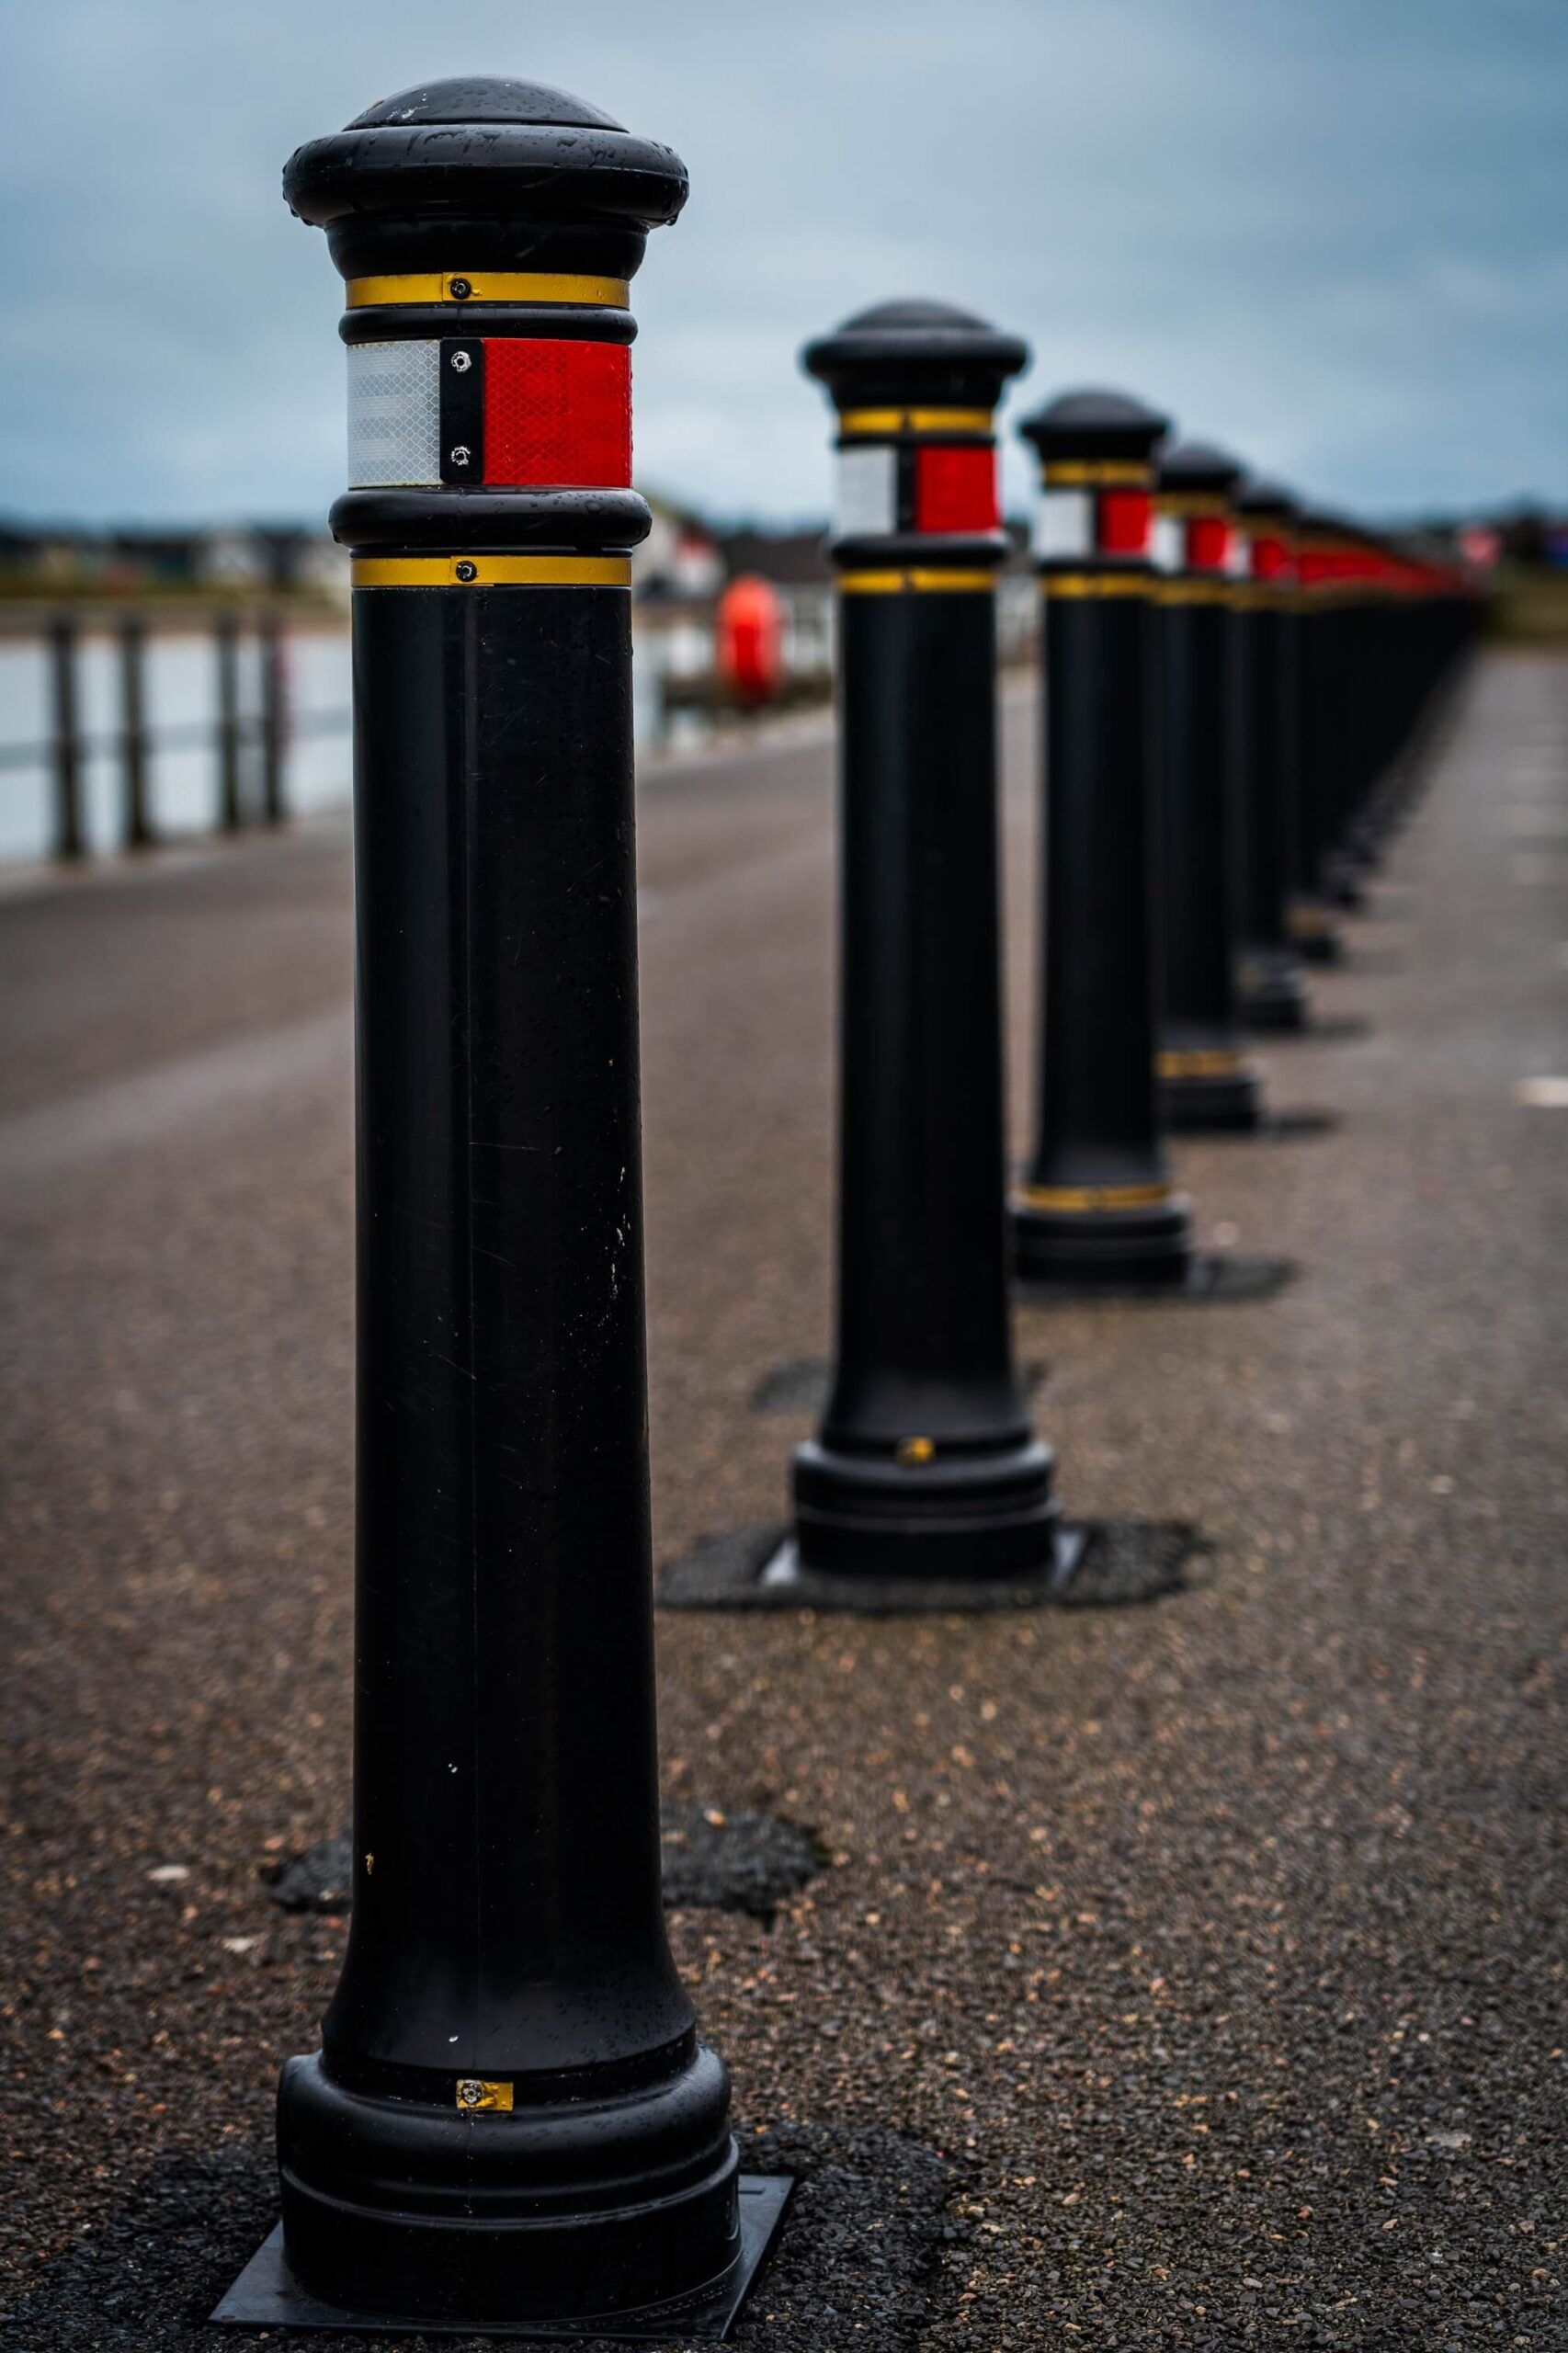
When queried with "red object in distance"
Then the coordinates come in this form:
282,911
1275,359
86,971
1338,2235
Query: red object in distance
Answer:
747,639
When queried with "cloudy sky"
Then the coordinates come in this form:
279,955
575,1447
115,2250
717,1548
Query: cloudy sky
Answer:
1333,233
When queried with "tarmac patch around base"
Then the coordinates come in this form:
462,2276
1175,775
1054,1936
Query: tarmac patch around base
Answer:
1217,1279
740,1861
1106,1565
863,2234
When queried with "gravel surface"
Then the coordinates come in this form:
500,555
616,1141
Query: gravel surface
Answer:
1199,1969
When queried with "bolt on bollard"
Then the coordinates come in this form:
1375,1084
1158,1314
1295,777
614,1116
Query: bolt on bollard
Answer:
1097,1207
926,1464
1265,749
1206,1081
510,2124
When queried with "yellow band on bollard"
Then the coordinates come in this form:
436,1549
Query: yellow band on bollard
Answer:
487,286
1092,474
1095,1197
491,572
1100,584
1199,1061
1198,592
922,581
915,420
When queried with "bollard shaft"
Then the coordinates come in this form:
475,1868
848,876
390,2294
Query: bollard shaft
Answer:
926,1464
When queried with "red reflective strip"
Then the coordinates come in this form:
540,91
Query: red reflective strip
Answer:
1208,544
1270,560
1122,520
557,412
955,490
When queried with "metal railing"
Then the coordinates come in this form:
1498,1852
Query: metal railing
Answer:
249,748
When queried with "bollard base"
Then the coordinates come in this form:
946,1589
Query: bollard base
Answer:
1317,937
1103,1566
1273,993
268,2295
1208,1103
1095,1249
952,1514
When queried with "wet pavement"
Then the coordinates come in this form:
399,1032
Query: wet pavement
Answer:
1187,1975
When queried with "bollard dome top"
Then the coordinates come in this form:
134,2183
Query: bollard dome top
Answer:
1266,498
913,351
1094,425
484,173
1199,466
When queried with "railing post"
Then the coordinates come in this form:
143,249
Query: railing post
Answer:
926,1464
136,825
70,835
273,647
1265,747
510,2119
1097,1206
226,651
1206,1079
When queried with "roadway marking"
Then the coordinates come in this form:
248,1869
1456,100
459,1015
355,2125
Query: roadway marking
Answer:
1542,1094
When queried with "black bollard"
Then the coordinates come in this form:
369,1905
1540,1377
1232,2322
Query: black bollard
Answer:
1206,1080
136,825
1097,1207
226,733
69,838
1323,716
272,646
510,2123
927,1463
1265,750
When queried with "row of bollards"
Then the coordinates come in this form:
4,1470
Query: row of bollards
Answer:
510,2124
136,739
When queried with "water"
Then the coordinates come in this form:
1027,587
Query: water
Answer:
182,694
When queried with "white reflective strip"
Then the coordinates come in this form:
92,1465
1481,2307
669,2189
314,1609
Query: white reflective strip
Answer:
866,495
1064,523
1238,556
395,413
1167,544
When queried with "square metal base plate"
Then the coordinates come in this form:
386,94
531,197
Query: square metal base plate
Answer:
1102,1565
266,2294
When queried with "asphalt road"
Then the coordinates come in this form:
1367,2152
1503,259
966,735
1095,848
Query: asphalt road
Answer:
1182,1976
